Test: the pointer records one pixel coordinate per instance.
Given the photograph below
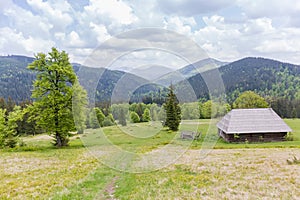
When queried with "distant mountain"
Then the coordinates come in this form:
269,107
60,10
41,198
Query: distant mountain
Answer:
269,78
265,76
15,79
189,71
201,66
16,82
151,72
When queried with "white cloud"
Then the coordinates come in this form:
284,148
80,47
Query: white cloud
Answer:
227,30
191,7
15,42
115,10
55,12
257,26
182,25
286,13
24,21
100,31
73,40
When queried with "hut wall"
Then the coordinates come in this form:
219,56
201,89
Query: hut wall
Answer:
253,137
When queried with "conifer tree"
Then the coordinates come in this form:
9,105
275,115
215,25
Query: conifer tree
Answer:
173,112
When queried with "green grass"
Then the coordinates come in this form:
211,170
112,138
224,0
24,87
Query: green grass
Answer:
41,171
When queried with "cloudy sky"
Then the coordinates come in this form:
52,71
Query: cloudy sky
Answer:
225,29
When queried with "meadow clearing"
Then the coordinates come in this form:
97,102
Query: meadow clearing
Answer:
229,171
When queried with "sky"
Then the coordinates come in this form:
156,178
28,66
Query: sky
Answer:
226,30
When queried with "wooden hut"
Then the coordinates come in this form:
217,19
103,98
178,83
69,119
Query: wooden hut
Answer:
253,125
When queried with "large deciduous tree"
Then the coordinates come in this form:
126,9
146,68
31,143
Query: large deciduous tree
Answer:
173,112
250,99
53,92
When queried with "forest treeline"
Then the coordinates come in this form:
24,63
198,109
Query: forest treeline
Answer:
107,115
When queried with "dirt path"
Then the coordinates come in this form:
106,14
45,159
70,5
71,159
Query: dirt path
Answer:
109,190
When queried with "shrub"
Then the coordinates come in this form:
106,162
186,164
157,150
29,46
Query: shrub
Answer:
134,117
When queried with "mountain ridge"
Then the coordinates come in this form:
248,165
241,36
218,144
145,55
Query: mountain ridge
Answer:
267,77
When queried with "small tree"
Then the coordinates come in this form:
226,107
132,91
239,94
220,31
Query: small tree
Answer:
173,112
134,117
93,121
79,107
8,128
109,120
146,115
250,99
100,116
122,117
2,126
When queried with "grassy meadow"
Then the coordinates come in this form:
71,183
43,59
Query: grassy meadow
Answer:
229,171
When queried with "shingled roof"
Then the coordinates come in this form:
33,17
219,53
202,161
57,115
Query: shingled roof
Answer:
258,120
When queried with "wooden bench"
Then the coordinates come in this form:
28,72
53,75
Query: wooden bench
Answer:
190,135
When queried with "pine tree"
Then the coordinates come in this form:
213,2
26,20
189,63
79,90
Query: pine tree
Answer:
173,112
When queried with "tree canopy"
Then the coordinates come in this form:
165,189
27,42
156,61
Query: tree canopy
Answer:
53,92
250,99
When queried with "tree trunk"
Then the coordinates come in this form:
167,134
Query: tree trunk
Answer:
58,140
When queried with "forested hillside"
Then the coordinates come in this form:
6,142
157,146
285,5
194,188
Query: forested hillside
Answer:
15,79
271,79
278,82
16,82
267,77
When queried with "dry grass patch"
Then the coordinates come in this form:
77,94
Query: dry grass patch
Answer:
37,175
246,173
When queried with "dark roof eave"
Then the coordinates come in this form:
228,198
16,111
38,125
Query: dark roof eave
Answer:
249,132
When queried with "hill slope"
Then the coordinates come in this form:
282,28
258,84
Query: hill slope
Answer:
189,71
265,76
16,81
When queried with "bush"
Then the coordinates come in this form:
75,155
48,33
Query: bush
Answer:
146,115
109,120
134,117
289,137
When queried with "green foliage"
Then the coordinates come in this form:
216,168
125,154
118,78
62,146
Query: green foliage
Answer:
208,110
79,107
138,108
53,91
173,112
154,110
8,128
146,115
100,116
93,121
134,117
120,112
122,117
109,120
250,99
2,126
161,116
190,111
